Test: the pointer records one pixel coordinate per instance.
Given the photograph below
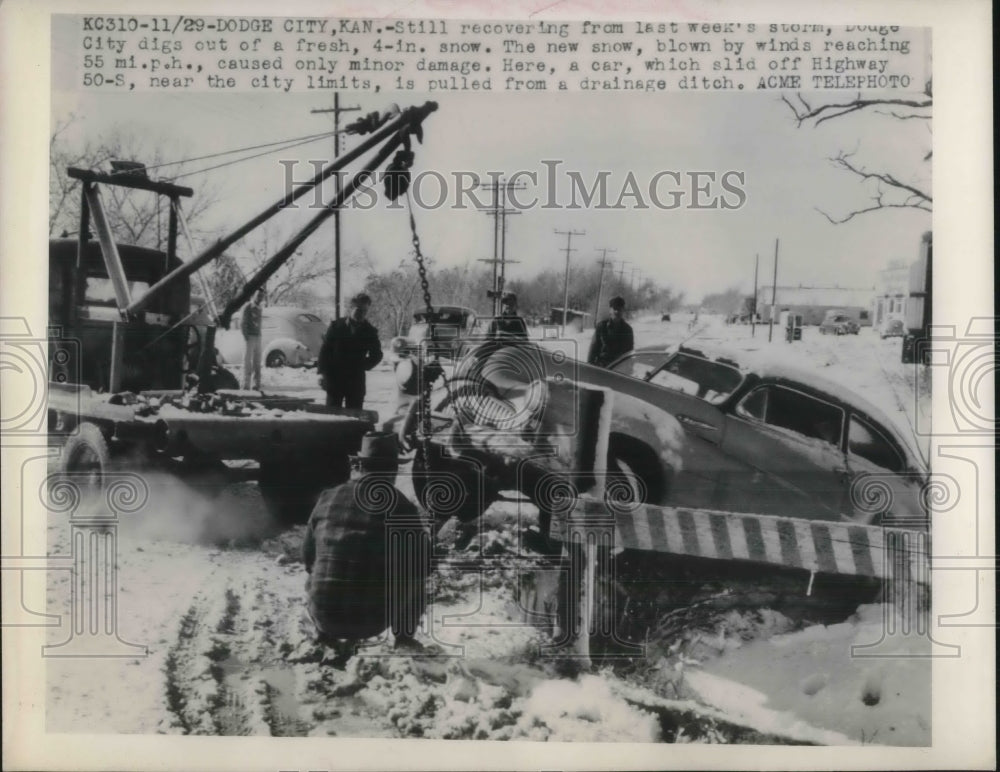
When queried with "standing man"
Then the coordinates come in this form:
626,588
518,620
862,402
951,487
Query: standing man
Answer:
509,326
250,327
350,349
613,336
367,552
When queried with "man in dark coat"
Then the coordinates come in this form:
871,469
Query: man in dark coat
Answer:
350,349
509,325
367,552
613,336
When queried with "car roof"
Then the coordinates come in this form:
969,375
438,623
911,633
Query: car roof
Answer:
764,365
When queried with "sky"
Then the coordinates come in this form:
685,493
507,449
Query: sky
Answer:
787,177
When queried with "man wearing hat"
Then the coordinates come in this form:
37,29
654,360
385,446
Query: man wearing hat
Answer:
350,349
509,325
367,552
612,337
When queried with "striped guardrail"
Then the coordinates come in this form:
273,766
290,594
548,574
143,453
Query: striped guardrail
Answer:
814,545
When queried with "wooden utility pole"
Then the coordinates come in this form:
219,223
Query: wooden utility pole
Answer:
621,275
600,283
499,212
753,309
569,237
336,110
774,293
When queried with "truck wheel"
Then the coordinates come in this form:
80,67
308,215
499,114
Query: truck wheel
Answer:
85,459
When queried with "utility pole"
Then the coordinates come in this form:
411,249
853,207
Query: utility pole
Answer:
621,274
631,280
336,110
600,283
499,212
753,309
569,237
774,292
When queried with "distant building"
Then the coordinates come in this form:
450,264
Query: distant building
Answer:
812,303
891,293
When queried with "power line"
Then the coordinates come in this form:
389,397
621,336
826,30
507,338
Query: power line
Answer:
247,158
308,137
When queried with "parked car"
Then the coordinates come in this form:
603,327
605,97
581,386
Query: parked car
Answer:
839,324
441,334
289,337
892,328
703,430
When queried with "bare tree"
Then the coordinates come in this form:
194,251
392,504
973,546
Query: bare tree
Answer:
889,190
303,280
135,216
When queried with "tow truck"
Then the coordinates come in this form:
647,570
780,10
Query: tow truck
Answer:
135,383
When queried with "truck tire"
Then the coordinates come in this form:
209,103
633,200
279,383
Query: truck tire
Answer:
85,459
275,359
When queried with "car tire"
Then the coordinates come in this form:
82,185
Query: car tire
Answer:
275,359
634,474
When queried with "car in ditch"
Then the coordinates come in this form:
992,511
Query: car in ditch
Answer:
697,429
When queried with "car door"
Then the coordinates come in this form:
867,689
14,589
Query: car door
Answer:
881,484
672,398
789,443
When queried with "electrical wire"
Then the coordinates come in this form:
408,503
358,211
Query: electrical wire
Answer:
248,158
308,137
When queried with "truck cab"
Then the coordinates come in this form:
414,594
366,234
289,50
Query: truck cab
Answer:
160,344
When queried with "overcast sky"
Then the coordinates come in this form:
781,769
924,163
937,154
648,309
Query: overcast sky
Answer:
787,177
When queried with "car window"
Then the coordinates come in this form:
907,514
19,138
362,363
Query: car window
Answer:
308,318
794,411
753,405
641,365
703,378
868,443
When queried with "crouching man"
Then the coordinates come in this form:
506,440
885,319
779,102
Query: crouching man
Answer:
367,551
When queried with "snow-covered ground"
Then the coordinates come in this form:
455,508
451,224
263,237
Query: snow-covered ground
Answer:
215,591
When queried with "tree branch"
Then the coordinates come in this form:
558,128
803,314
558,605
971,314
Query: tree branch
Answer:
804,112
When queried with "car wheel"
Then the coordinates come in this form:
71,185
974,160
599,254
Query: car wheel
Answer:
634,475
275,359
624,485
